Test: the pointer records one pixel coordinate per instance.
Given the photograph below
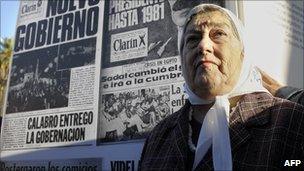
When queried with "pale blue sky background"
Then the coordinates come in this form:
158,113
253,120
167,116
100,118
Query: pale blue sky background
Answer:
9,12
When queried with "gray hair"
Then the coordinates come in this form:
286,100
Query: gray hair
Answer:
204,8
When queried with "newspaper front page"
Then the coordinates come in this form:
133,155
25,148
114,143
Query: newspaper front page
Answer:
141,81
50,95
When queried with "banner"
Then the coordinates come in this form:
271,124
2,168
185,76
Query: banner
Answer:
90,79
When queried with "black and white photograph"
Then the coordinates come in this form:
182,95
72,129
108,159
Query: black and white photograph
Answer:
36,83
77,54
130,115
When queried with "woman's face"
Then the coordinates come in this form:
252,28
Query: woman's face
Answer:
212,55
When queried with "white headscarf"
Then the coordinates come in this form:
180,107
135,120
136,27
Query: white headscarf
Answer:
215,125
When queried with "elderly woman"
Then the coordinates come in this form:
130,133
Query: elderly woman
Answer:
230,121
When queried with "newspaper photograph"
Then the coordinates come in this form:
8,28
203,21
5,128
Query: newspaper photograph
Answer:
36,83
50,97
131,114
40,79
77,54
136,97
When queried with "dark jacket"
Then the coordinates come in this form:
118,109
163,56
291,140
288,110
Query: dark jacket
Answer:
292,94
264,131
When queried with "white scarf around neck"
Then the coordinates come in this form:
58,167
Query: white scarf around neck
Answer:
214,130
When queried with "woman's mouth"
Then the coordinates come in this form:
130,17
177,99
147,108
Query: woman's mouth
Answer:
206,64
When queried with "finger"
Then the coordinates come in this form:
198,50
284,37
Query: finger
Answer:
267,78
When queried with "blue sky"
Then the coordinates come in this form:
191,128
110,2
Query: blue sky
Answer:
9,12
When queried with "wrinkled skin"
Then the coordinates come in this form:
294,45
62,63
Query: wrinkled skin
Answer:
212,55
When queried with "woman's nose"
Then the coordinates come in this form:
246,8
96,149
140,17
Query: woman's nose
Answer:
206,44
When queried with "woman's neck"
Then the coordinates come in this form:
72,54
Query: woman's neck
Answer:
200,111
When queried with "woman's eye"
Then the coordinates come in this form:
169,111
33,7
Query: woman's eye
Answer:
192,41
218,34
